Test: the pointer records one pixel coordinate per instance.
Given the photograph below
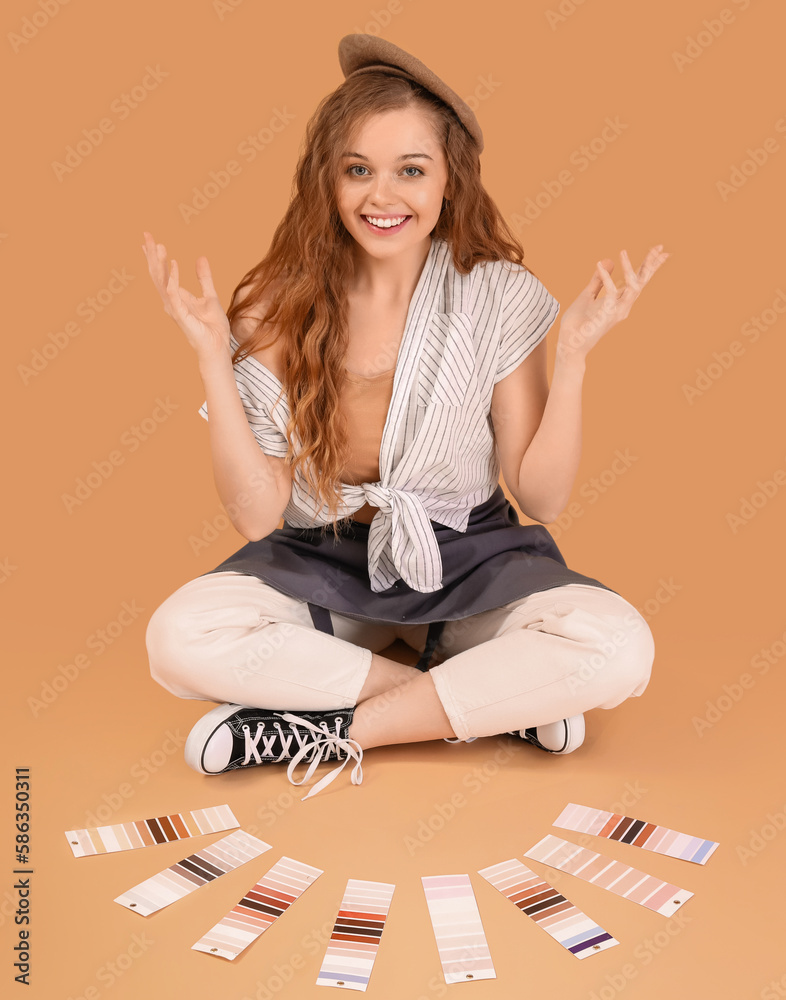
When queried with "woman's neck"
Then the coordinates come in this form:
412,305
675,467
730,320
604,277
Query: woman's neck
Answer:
388,279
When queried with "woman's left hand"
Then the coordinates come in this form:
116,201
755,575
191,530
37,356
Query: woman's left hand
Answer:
588,318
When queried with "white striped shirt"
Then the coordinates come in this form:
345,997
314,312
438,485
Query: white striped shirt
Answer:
438,458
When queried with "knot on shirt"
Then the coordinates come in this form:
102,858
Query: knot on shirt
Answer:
401,540
379,496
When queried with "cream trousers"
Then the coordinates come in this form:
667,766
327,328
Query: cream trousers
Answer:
230,637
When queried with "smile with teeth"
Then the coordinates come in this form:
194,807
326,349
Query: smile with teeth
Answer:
386,223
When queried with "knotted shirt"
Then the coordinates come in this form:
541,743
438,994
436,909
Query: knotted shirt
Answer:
438,457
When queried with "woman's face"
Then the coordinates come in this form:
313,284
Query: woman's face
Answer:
395,168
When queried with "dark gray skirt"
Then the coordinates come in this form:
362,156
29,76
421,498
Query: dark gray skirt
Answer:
496,560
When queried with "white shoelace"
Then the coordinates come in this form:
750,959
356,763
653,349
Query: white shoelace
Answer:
319,741
252,742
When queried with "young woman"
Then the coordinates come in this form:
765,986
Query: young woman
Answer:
374,374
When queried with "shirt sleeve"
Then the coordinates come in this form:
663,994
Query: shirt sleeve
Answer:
267,433
527,314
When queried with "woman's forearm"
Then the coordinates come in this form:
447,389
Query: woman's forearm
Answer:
548,469
253,487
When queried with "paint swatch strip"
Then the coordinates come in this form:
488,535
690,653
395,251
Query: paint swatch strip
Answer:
560,918
615,826
638,887
192,873
149,832
353,945
261,906
461,942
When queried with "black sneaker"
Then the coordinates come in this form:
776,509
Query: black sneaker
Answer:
564,736
231,736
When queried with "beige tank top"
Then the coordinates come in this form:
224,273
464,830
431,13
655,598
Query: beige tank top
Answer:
365,401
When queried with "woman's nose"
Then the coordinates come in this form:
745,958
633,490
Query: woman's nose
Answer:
383,190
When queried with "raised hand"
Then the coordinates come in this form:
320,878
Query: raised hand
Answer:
587,318
203,321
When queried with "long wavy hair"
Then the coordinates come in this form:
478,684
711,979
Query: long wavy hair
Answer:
310,262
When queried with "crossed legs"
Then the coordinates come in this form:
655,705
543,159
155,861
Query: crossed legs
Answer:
229,637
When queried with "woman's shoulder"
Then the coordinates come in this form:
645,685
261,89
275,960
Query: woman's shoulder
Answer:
498,269
508,280
490,275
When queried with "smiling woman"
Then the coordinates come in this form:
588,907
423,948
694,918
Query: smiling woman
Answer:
408,342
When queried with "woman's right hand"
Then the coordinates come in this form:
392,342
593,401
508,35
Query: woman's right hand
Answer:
203,321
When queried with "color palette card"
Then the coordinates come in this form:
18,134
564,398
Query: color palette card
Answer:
560,918
353,945
639,833
261,906
149,832
461,941
192,873
638,887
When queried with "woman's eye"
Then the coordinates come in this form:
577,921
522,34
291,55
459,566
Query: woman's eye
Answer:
355,166
416,169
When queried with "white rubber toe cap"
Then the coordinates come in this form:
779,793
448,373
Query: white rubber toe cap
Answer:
564,736
209,745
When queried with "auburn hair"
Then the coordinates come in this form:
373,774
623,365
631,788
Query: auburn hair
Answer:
310,262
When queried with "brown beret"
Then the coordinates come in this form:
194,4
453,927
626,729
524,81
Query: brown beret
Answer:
363,53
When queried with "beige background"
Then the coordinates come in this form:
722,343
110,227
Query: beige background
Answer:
702,751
